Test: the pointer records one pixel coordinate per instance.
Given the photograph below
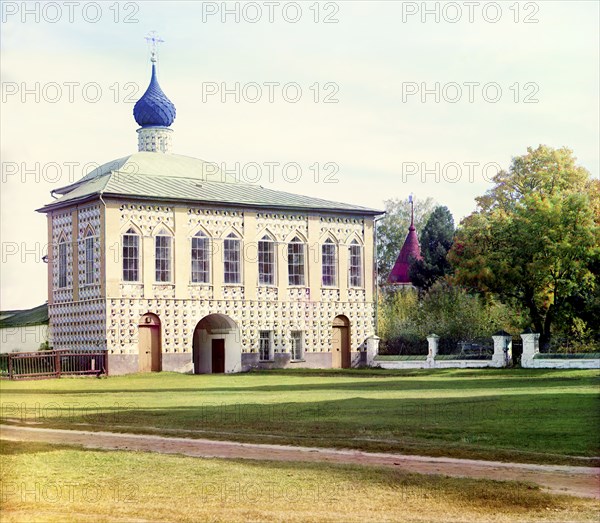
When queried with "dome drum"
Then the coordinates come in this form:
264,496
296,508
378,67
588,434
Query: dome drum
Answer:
155,139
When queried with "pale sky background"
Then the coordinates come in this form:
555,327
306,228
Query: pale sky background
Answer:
371,54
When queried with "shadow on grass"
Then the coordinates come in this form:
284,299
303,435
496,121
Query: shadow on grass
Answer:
193,384
15,448
523,427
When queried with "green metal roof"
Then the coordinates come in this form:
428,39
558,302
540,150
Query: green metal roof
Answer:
169,177
160,164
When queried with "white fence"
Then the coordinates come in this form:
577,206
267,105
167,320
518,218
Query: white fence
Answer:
502,357
532,358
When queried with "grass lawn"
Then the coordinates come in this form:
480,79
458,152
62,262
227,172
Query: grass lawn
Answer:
45,483
543,416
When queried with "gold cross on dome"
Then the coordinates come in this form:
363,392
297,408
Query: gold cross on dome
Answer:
153,41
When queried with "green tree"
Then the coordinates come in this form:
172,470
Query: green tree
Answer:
405,318
534,238
393,228
584,306
449,311
396,313
436,240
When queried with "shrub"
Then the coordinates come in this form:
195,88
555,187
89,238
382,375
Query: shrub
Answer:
448,310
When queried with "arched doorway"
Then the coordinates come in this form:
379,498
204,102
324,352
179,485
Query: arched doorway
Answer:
340,356
216,345
149,353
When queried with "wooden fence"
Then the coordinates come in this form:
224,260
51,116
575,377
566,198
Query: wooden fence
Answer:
53,364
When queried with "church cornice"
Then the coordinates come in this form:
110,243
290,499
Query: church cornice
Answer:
207,203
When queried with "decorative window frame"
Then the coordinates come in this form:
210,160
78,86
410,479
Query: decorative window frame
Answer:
159,232
62,261
265,233
89,275
136,232
233,234
200,232
304,242
330,239
355,240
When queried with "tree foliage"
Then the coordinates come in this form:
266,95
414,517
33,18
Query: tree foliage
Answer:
396,313
436,240
534,239
393,228
450,311
446,309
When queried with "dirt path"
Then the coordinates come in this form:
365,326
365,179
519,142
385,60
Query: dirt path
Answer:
558,479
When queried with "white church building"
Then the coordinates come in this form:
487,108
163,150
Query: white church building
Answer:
169,265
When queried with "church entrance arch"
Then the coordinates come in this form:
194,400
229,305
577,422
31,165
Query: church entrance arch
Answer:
216,345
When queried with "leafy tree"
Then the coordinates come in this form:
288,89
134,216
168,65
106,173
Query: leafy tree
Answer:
448,310
534,238
436,240
393,228
396,313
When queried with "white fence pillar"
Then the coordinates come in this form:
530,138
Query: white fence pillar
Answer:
372,349
433,341
531,347
502,349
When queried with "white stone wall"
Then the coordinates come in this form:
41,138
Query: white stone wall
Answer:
180,317
155,139
78,325
278,309
531,349
110,312
282,225
549,363
434,364
343,229
502,357
23,339
146,217
77,312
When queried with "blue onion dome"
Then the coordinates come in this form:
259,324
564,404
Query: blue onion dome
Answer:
154,108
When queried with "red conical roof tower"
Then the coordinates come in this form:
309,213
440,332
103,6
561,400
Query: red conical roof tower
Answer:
410,251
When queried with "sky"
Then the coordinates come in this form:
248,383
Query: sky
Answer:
353,101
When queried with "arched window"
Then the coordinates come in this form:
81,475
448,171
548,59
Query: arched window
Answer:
329,263
231,259
162,256
131,256
89,257
355,265
296,262
62,262
266,261
200,258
